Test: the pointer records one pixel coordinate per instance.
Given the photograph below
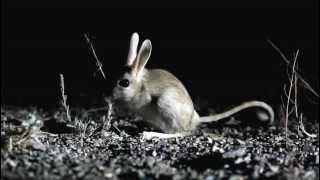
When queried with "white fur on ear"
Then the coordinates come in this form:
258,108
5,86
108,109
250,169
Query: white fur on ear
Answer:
143,57
133,48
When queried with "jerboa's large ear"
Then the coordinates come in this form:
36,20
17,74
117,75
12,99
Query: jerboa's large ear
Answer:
133,48
142,58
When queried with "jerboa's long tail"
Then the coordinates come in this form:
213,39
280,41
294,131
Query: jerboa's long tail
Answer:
241,107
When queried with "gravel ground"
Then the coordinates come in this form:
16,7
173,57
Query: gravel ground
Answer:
93,146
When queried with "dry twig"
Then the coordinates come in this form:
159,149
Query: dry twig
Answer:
98,63
305,83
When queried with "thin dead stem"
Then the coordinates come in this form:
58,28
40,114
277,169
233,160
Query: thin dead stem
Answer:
106,123
64,98
303,129
294,78
296,94
286,93
290,90
98,63
110,108
305,83
117,129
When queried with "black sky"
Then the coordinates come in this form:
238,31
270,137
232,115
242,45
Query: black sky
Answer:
219,51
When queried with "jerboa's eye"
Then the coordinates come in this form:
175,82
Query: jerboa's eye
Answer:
124,83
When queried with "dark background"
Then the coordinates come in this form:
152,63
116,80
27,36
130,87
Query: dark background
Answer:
218,50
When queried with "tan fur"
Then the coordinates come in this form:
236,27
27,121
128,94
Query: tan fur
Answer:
162,100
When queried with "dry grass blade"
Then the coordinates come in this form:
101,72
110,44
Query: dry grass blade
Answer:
296,94
290,90
98,63
110,108
305,83
64,98
303,129
293,101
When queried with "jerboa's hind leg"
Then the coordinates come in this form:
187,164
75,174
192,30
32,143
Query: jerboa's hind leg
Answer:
177,114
